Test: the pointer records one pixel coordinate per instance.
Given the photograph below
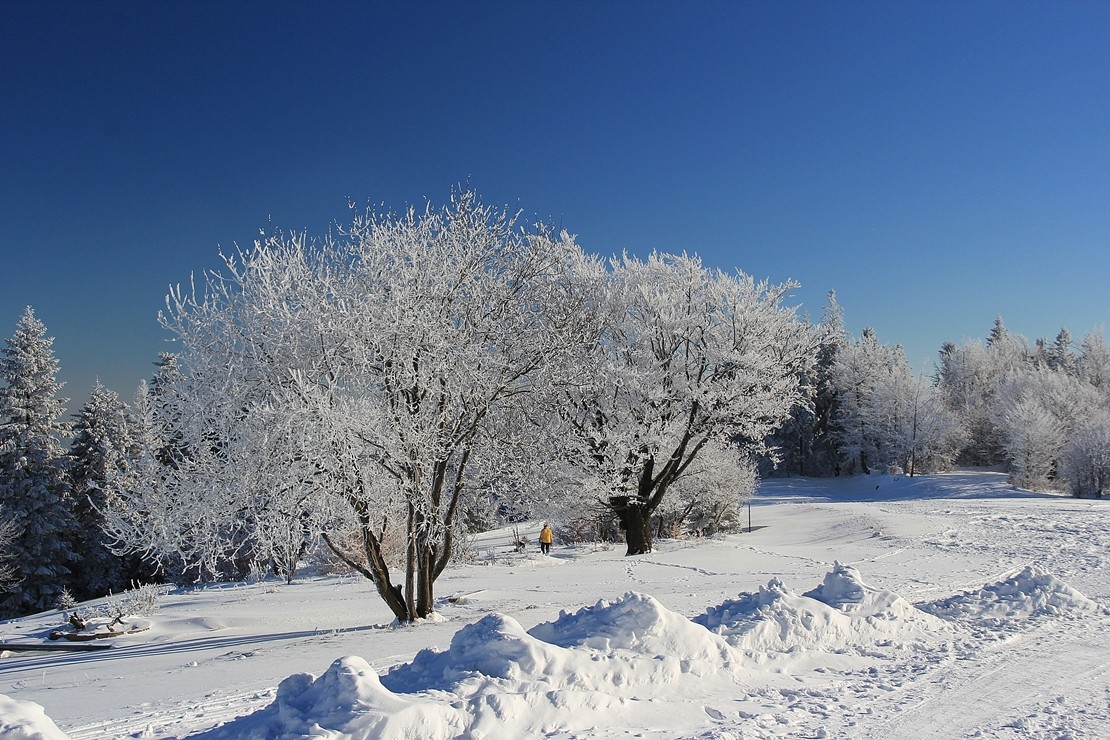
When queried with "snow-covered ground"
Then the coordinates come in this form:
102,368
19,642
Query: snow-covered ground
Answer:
875,607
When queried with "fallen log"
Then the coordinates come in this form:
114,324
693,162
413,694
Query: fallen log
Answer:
86,636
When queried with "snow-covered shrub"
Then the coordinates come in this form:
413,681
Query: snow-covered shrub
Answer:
140,601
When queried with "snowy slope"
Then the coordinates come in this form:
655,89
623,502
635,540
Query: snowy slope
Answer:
947,606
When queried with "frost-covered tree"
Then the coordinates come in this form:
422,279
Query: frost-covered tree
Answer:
1033,438
834,336
860,367
999,333
1085,459
104,443
1093,363
689,357
1060,357
968,378
369,370
139,497
805,444
912,428
1037,410
1020,405
34,482
887,418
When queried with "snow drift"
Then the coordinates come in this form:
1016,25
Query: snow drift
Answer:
842,613
497,680
26,720
347,701
1026,592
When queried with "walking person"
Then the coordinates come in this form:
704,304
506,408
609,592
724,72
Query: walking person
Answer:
546,538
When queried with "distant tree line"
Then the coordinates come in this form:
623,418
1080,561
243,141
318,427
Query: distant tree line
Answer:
1039,411
370,398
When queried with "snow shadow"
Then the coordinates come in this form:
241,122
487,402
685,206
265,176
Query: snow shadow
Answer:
125,652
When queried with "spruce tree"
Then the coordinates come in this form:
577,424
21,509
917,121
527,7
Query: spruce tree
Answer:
103,443
998,332
34,479
1060,357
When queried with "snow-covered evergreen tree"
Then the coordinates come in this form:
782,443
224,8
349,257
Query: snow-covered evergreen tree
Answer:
834,336
9,575
34,479
968,378
860,367
104,443
1060,357
805,445
999,332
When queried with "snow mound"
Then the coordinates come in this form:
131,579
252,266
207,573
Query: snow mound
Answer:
348,701
843,612
26,720
1028,592
497,680
495,646
845,590
640,624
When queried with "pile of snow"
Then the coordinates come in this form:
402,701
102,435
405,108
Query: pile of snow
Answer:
842,613
494,647
347,701
26,720
1027,592
638,623
496,679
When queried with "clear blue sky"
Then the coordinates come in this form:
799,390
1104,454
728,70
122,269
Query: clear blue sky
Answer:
935,163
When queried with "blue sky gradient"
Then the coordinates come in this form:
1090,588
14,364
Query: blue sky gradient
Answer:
937,164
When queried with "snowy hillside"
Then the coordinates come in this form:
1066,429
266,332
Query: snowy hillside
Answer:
875,607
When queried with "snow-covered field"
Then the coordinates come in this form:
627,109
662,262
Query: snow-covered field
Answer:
875,607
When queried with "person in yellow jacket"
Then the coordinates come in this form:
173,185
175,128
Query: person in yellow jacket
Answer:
546,538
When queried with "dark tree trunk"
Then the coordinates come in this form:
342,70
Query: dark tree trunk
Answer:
635,520
378,574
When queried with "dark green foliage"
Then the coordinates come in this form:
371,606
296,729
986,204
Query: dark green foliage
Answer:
34,483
